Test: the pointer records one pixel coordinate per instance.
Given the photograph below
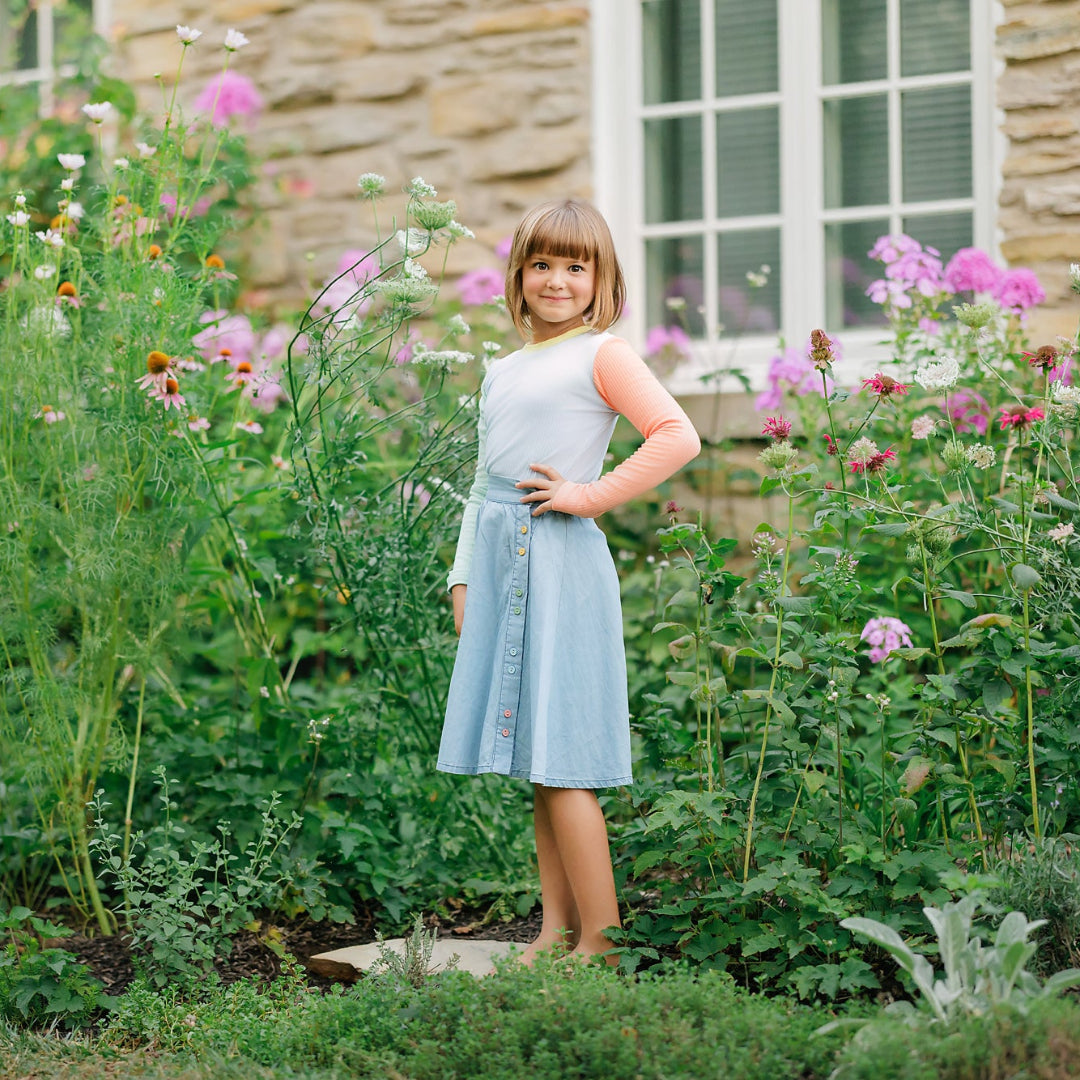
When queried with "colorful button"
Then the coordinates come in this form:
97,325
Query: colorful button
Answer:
524,530
521,551
517,592
506,712
517,611
506,732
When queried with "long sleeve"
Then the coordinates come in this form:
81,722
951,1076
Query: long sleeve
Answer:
627,385
459,573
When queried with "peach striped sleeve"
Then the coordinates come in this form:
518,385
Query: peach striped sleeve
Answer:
627,385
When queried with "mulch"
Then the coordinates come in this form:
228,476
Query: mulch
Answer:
109,957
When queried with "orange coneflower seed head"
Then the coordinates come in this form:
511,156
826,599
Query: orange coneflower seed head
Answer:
157,362
65,288
215,262
46,408
172,386
120,200
153,251
244,368
225,351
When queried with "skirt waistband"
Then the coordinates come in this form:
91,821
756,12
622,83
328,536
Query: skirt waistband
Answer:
501,490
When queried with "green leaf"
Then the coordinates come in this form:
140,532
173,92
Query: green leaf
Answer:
997,694
795,605
769,484
965,598
792,660
1025,577
888,528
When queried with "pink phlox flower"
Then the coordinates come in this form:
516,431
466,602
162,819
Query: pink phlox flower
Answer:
358,265
1019,417
660,338
884,635
908,267
342,299
792,370
1019,289
930,326
225,331
969,411
480,286
887,249
229,94
405,353
972,270
502,248
776,427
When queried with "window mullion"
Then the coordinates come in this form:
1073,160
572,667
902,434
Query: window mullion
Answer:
45,56
896,163
709,151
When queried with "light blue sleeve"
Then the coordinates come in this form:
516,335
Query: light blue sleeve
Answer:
459,573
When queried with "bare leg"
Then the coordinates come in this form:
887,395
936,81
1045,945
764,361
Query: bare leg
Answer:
580,834
560,923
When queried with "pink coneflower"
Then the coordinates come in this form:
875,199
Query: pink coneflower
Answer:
253,427
885,386
1019,417
158,366
49,415
776,427
241,374
279,462
169,395
198,423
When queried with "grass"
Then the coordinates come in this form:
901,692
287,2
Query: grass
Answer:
545,1024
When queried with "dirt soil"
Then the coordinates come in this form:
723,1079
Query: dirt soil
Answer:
109,958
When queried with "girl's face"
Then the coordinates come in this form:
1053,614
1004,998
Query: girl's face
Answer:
557,292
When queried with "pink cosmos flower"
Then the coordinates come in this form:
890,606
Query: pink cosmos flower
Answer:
229,94
667,337
1019,289
776,427
1019,417
972,270
197,209
884,635
480,286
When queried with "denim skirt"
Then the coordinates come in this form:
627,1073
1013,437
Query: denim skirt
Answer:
539,683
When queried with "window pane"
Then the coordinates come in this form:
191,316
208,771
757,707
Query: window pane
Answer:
934,36
673,169
854,41
745,306
936,141
73,29
848,273
675,272
856,151
946,232
746,47
671,50
18,35
748,162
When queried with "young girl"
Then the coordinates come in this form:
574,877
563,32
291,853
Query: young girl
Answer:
539,684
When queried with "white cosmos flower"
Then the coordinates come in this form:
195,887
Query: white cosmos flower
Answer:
67,184
98,111
19,218
50,237
145,151
75,211
938,374
20,200
121,163
187,34
42,273
235,40
71,162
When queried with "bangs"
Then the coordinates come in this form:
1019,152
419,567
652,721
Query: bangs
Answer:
563,232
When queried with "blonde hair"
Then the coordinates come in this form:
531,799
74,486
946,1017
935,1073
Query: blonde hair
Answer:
568,229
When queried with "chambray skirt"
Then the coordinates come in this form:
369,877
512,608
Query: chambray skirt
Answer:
539,683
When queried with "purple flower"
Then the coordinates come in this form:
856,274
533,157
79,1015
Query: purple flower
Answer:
972,270
229,94
225,331
502,248
908,267
663,337
265,395
969,411
480,286
1019,289
358,265
792,370
883,635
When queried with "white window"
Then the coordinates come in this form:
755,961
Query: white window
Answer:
42,41
786,134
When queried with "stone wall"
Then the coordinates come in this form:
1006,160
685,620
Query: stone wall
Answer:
489,100
1039,94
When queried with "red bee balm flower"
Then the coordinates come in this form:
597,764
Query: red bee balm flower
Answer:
885,386
776,427
1019,416
1045,357
875,463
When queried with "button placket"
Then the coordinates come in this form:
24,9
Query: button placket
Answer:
513,649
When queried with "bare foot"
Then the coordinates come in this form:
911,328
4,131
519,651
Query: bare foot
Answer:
557,944
594,951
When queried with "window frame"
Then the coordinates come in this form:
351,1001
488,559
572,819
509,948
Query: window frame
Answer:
46,74
618,175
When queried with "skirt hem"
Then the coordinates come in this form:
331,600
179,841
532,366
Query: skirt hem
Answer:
524,774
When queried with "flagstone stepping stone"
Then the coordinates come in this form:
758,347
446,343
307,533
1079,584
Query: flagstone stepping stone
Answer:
475,956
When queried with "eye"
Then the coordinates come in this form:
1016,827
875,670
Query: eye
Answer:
578,268
539,264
